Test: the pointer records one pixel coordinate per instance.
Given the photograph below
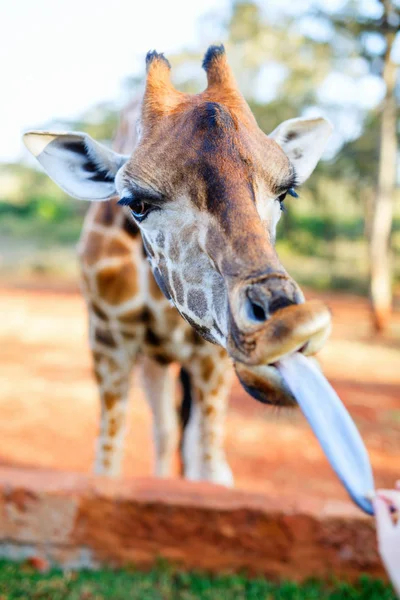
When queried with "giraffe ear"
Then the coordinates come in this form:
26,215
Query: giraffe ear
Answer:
82,167
303,141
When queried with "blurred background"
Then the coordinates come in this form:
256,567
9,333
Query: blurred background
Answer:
70,67
74,65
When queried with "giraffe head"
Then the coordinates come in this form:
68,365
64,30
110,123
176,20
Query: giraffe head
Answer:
206,187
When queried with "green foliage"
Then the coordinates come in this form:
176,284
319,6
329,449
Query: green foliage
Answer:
333,210
18,581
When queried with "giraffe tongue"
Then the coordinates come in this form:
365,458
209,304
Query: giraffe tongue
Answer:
332,425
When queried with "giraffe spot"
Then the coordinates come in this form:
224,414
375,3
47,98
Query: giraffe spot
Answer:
117,247
194,266
187,234
119,381
219,297
209,410
98,375
160,240
178,288
174,251
197,302
163,358
192,337
113,427
110,400
105,213
215,242
113,366
129,335
97,356
193,274
206,367
117,283
105,337
97,311
221,381
146,316
106,462
107,447
152,338
200,395
215,391
131,316
95,247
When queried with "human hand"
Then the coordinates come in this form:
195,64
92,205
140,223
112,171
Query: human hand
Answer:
387,512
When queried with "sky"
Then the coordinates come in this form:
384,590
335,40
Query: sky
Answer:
59,57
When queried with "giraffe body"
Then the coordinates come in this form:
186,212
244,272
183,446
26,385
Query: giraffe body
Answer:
203,186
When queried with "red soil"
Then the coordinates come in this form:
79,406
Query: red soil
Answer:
49,406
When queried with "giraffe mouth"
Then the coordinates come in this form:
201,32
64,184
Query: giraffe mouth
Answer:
301,328
266,384
297,328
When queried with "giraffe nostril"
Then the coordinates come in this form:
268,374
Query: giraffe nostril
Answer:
256,312
262,299
280,302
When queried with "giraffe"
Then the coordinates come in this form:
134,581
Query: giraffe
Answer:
183,224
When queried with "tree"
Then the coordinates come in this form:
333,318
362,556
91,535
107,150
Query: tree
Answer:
371,36
382,217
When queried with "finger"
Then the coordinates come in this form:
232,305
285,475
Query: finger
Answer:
383,519
391,496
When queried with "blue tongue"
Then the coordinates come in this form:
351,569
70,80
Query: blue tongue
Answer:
332,425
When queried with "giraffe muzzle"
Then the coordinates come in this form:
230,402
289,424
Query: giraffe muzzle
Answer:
296,328
301,327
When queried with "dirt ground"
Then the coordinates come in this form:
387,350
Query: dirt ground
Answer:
49,406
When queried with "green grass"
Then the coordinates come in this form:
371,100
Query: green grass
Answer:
22,582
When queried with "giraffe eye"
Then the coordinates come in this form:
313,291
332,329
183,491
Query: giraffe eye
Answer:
140,208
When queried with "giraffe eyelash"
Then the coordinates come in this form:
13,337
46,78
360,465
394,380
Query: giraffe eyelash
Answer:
292,192
125,201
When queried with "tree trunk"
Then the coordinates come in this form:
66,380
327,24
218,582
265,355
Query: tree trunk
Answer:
382,217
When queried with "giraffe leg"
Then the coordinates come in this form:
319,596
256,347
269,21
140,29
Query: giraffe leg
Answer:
159,384
191,444
203,445
113,367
